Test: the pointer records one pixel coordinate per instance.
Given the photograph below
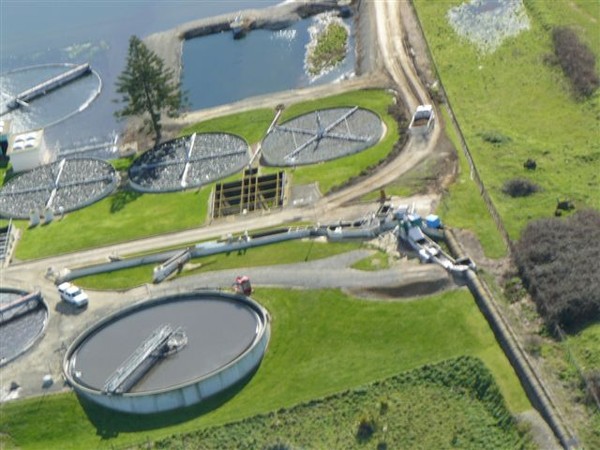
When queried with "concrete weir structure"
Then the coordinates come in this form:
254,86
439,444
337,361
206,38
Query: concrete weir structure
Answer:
169,352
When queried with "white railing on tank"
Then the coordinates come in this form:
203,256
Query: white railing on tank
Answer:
146,354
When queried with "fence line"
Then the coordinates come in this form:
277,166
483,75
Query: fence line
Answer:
573,360
536,390
465,148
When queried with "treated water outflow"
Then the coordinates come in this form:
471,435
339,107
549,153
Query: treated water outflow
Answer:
53,107
487,23
263,62
22,98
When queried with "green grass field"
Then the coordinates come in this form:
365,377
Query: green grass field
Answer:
463,207
121,217
333,343
514,93
452,404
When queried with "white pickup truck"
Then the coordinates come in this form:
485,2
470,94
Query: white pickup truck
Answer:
422,120
73,294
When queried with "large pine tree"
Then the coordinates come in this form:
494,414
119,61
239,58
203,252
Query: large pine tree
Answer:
148,88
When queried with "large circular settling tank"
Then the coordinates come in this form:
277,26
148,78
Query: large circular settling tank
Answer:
23,317
168,353
63,186
54,105
321,135
189,162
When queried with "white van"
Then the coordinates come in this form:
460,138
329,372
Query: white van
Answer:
72,294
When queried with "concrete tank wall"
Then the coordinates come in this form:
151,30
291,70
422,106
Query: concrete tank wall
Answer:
187,394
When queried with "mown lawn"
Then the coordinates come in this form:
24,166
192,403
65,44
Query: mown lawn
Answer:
322,342
515,94
463,207
121,217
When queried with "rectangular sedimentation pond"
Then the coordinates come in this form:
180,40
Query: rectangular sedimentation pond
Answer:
218,69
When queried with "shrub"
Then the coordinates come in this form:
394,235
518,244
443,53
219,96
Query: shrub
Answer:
513,289
533,345
330,48
592,388
397,111
520,187
576,60
366,428
557,260
278,446
494,137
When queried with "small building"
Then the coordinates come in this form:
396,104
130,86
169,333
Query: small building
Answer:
28,150
433,221
5,128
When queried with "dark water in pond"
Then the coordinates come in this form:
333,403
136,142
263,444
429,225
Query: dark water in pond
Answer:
218,69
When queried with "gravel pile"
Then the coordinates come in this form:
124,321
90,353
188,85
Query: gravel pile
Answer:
321,136
214,156
81,183
487,23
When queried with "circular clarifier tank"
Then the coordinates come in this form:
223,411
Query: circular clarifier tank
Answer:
23,319
168,353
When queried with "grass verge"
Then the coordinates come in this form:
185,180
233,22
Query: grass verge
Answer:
280,253
121,217
377,261
462,205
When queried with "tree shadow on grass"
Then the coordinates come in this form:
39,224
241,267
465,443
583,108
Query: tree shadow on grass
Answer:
110,423
122,198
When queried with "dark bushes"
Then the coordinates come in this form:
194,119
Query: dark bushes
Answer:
366,428
576,60
494,137
558,260
520,187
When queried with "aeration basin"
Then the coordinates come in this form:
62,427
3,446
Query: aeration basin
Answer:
169,352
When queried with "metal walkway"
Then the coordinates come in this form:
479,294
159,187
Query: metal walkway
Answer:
141,360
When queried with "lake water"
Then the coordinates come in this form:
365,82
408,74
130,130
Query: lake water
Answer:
217,69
